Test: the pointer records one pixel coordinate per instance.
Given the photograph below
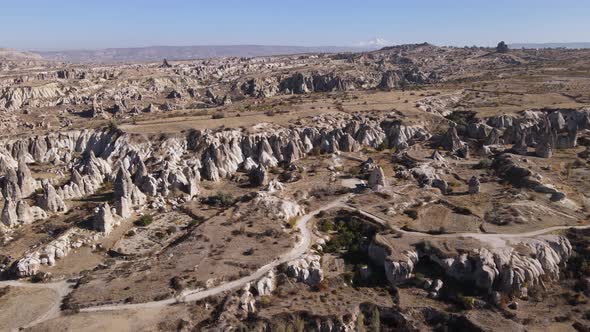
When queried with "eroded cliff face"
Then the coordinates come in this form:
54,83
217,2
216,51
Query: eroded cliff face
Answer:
541,130
504,264
208,154
181,162
97,156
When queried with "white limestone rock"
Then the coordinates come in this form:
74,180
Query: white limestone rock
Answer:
306,269
51,201
377,179
103,220
266,285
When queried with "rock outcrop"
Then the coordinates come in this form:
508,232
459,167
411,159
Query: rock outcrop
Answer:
127,194
451,141
53,251
474,185
266,285
500,268
306,269
9,216
103,220
377,179
280,208
517,173
51,201
258,176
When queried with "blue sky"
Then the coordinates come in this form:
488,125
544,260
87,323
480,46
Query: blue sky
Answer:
69,24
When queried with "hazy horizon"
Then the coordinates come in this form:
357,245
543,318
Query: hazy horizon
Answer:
74,25
352,47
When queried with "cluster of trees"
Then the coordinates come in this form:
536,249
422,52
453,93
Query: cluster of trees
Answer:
352,236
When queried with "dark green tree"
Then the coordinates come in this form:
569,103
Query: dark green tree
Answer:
502,47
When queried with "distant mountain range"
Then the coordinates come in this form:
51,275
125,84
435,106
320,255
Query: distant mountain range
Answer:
157,53
8,54
550,45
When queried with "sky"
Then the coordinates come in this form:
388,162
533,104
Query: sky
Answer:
92,24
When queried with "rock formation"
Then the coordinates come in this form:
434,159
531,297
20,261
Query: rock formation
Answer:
258,176
127,194
473,185
377,179
501,268
451,141
9,216
51,201
103,220
306,269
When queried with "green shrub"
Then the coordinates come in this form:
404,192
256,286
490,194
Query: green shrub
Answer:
467,302
196,221
265,301
220,200
453,184
351,237
292,222
326,226
411,213
113,125
144,221
483,164
107,186
382,146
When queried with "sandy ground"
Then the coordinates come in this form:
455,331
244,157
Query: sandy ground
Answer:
38,301
176,124
124,320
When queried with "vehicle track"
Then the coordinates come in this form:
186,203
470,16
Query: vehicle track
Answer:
300,248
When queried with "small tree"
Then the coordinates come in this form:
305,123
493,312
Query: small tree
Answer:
299,324
360,323
502,47
376,320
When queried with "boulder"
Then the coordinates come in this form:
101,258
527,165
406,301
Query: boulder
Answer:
27,266
274,185
544,149
24,213
473,185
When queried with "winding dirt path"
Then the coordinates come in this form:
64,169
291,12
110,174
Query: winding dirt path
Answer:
496,238
197,294
61,288
300,248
